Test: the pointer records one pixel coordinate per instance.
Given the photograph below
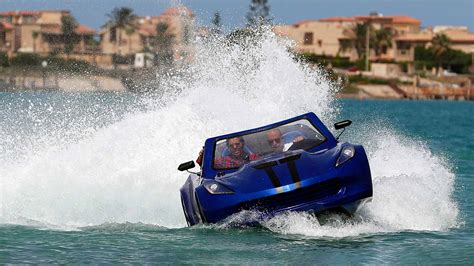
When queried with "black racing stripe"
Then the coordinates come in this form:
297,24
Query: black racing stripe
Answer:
294,172
265,165
273,177
290,158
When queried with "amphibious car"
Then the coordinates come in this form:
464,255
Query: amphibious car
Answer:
295,165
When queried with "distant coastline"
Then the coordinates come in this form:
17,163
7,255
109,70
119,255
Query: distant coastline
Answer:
121,81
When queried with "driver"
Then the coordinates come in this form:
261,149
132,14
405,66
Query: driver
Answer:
276,142
237,155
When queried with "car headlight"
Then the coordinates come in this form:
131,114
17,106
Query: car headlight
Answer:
346,154
214,187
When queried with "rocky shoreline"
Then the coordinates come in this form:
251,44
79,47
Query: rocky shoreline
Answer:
139,82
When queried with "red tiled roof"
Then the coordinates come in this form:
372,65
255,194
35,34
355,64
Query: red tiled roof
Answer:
178,10
363,18
405,20
83,29
18,13
338,19
394,19
304,21
6,25
29,12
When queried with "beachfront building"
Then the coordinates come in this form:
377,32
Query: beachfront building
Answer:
319,37
459,37
335,36
39,32
141,35
6,38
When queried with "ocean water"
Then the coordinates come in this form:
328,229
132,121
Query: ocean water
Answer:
91,177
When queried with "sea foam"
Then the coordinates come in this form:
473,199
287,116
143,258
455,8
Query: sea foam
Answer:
125,172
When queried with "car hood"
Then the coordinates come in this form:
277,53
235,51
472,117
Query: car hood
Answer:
281,170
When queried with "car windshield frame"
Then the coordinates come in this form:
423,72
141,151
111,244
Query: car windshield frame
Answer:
302,121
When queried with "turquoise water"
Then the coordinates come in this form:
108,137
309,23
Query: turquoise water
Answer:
83,181
91,177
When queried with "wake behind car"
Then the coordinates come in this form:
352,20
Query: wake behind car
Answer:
293,165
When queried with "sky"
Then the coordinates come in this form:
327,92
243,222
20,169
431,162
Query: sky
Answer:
431,12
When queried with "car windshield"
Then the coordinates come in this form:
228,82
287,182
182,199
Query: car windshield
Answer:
234,152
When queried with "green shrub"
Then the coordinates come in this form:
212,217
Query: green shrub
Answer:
420,65
123,59
424,54
68,65
455,60
24,59
360,64
324,60
403,66
4,59
312,58
359,79
341,62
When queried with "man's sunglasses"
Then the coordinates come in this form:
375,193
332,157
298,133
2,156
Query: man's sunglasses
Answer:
277,141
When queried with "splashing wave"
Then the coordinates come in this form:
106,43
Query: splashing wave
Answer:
126,171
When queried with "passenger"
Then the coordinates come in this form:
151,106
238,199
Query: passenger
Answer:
199,158
237,156
276,142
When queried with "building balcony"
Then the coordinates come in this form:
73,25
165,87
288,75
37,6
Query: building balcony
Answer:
404,55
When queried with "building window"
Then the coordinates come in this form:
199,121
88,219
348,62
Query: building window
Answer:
403,48
113,34
308,38
320,43
28,19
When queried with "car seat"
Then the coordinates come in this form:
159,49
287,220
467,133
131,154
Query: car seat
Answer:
288,137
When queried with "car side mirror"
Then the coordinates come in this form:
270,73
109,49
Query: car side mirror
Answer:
186,166
342,124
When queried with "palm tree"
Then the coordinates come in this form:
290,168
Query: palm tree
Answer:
359,32
440,45
344,46
382,41
120,18
129,30
259,13
163,44
216,23
70,37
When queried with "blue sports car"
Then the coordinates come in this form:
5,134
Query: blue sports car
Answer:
292,165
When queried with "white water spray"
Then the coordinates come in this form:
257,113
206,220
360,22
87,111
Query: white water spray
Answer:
126,172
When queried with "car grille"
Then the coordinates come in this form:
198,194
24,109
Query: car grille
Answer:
295,197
